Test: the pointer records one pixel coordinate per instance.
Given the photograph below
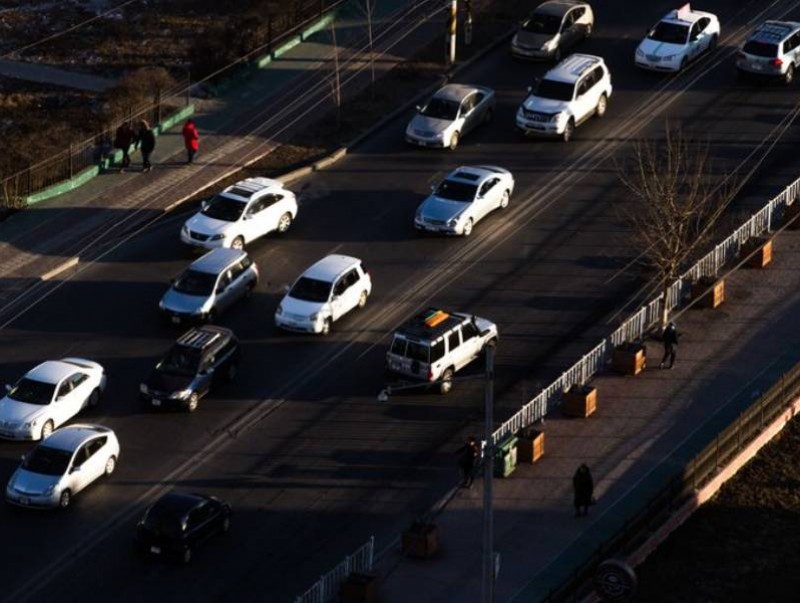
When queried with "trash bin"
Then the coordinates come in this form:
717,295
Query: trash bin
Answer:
505,457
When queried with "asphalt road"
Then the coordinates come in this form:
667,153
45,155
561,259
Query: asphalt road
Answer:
310,461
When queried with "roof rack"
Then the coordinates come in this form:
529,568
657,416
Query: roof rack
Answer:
198,338
430,324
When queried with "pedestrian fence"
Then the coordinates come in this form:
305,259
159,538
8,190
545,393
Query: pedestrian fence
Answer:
649,315
327,587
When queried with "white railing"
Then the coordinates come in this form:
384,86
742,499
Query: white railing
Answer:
327,587
649,315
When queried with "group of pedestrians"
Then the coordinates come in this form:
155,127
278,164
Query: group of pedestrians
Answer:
144,139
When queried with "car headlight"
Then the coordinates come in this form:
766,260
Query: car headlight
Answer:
549,46
639,52
50,490
185,229
669,57
453,221
181,395
216,237
143,388
31,423
558,118
202,310
279,311
314,317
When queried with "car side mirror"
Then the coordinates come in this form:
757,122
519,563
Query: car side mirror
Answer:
418,108
9,387
485,332
23,458
204,204
75,469
286,288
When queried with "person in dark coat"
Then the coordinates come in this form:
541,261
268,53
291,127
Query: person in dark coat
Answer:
670,340
191,139
147,144
583,485
468,456
123,139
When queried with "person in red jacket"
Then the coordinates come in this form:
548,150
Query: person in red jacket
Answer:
191,138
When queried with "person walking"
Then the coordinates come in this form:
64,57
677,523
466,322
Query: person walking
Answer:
583,485
468,455
123,139
191,139
147,144
670,340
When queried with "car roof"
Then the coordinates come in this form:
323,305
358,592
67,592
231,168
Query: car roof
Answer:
573,67
52,371
174,505
330,267
471,174
244,190
457,92
204,336
69,438
773,32
430,324
684,15
557,8
217,260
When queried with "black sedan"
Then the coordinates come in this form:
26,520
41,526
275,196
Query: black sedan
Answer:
179,522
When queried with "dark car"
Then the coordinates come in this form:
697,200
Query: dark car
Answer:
200,359
176,524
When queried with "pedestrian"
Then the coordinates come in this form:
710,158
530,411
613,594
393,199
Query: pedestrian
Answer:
123,139
583,485
191,139
670,340
468,455
147,143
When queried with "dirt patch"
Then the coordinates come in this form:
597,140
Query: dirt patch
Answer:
743,544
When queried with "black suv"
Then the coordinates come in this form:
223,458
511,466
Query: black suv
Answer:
199,359
178,522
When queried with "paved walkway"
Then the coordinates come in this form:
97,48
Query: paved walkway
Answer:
34,72
726,358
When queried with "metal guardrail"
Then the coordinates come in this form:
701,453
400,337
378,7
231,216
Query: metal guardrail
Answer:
327,587
649,315
698,472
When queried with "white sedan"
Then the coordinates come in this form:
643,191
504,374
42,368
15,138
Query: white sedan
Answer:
466,196
680,37
62,465
48,396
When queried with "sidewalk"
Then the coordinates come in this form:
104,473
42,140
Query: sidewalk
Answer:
726,358
237,128
33,72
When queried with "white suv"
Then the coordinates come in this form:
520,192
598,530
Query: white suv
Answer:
569,94
323,294
434,345
240,214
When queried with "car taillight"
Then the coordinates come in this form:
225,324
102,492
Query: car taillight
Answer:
430,374
777,62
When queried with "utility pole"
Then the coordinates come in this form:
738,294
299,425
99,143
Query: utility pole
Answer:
450,46
467,22
488,468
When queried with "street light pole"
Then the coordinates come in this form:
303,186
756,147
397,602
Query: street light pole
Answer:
488,462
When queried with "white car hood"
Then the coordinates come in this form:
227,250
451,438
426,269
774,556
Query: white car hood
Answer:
429,124
301,307
545,105
441,209
33,483
661,49
18,412
205,225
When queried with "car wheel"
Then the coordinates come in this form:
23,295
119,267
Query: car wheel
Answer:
362,299
504,199
467,228
94,398
65,499
326,327
712,45
569,129
186,556
454,141
230,374
226,524
602,105
192,402
492,343
285,222
47,429
446,384
788,77
237,243
111,464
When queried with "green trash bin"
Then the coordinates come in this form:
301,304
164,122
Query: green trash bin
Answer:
505,457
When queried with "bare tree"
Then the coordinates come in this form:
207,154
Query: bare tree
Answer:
676,201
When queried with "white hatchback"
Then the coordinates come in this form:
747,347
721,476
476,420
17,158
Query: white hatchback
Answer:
48,396
62,465
240,214
323,294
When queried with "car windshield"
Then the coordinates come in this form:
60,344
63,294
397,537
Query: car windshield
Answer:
193,282
311,289
223,208
761,49
456,191
180,361
554,90
47,461
165,524
32,392
440,108
671,33
542,24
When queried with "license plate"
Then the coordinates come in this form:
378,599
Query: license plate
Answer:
6,434
156,550
24,500
156,402
176,320
757,66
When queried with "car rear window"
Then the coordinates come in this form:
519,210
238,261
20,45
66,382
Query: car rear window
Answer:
417,351
399,346
761,49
